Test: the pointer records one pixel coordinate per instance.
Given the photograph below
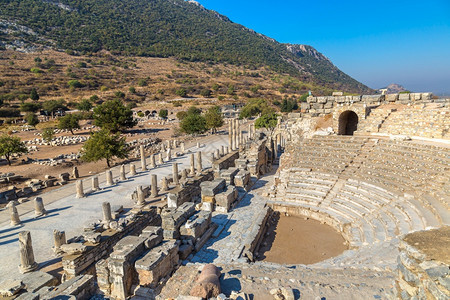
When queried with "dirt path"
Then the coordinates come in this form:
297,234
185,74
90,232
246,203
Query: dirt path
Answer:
294,240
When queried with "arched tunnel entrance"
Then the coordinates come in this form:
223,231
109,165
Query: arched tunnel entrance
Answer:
348,123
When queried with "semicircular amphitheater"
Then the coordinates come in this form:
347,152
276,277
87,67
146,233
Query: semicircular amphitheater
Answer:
372,190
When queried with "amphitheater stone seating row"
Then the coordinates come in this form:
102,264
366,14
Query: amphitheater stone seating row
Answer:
386,189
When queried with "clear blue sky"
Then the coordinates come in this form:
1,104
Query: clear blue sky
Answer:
376,42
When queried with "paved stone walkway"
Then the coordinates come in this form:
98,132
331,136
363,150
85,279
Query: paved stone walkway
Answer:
227,247
65,212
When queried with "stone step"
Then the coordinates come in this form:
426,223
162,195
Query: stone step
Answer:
440,209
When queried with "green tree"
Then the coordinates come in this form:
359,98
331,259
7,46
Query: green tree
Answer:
34,94
214,118
114,116
75,84
253,108
31,119
51,106
10,145
304,97
181,115
205,93
84,105
194,110
69,121
193,123
163,113
288,105
48,134
132,90
268,121
30,107
104,145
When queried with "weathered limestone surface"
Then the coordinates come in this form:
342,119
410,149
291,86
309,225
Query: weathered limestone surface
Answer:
190,191
225,162
173,218
27,262
157,263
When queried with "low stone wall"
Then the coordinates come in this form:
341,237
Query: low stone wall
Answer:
423,265
324,105
225,162
256,233
85,263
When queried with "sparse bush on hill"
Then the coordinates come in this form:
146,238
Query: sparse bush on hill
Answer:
30,107
163,113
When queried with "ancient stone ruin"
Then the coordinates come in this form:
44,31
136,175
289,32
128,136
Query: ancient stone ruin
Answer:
204,222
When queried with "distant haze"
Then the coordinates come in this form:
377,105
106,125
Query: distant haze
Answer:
375,42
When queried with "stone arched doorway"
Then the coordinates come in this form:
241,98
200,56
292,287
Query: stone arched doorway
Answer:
348,122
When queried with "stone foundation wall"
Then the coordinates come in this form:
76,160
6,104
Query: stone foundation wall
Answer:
190,191
85,263
424,274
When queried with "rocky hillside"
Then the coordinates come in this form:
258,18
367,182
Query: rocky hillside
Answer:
395,88
160,28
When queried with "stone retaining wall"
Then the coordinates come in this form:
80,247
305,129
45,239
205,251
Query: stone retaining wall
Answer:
225,162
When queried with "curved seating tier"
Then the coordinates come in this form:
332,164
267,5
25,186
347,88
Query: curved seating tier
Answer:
384,189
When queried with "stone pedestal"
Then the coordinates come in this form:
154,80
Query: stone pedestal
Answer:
154,186
199,162
107,216
132,170
175,173
122,173
39,209
143,162
59,238
109,178
75,173
95,185
152,161
80,190
27,262
140,196
15,220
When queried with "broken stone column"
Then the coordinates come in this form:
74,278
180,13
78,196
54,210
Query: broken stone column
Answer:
184,175
59,238
236,135
175,173
109,178
163,147
198,144
143,162
80,191
122,173
168,144
175,154
164,184
208,283
154,186
27,262
241,138
15,220
199,162
75,173
132,170
107,216
222,150
169,154
217,153
233,139
95,185
39,209
227,150
140,196
160,159
250,131
152,161
213,157
192,169
182,147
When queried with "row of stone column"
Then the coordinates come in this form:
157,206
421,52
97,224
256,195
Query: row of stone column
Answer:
236,137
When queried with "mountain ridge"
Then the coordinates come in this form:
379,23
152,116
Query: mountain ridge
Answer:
161,28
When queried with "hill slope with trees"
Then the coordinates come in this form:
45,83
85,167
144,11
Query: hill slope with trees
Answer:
160,28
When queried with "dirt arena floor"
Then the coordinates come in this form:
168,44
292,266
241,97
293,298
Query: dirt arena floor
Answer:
294,240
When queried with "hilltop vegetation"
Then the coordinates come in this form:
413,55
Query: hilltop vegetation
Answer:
159,28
